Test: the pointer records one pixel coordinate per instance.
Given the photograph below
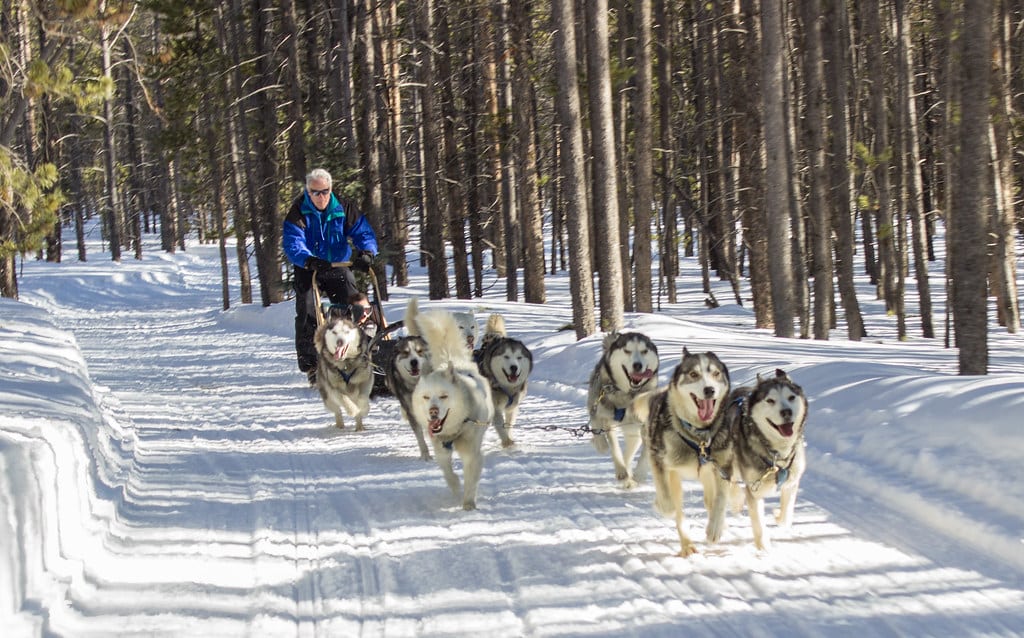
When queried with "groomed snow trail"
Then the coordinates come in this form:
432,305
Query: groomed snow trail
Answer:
236,508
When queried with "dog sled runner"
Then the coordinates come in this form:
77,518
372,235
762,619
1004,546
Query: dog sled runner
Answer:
383,340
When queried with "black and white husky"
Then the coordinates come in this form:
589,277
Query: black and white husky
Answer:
506,363
344,375
406,365
766,423
453,401
686,437
628,366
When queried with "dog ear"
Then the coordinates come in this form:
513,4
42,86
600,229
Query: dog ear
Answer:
781,375
686,352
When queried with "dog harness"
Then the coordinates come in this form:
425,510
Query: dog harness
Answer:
353,367
773,465
619,412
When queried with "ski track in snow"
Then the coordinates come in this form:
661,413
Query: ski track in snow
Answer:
308,530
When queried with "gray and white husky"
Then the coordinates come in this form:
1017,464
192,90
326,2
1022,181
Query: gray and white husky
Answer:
766,423
628,366
453,401
344,375
406,365
506,363
686,437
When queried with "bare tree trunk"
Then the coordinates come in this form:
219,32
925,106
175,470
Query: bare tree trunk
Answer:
112,203
605,181
398,230
434,215
911,155
880,152
819,217
621,117
777,171
524,116
643,193
970,213
1004,267
567,101
835,49
668,269
339,79
267,260
293,80
749,128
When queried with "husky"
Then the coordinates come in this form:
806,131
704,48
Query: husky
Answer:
686,437
506,363
453,401
465,322
766,423
628,366
407,363
344,375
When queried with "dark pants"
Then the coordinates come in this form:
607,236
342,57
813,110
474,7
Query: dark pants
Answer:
337,285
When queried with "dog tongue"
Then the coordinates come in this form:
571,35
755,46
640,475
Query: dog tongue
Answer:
339,352
642,376
785,429
705,409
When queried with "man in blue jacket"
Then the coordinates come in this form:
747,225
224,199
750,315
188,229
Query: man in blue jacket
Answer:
319,232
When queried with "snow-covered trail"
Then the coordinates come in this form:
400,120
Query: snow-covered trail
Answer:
235,508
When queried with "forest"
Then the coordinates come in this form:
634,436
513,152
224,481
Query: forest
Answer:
783,143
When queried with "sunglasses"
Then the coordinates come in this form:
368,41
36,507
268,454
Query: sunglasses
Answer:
321,193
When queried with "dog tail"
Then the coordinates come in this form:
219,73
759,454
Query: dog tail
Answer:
495,326
444,341
412,311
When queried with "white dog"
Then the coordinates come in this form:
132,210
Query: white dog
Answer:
453,401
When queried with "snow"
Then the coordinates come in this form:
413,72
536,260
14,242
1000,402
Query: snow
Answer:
166,471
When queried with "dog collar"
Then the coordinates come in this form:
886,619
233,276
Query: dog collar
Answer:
781,473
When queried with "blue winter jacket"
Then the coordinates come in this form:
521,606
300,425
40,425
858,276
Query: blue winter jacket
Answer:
308,232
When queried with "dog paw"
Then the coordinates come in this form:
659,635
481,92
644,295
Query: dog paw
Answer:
507,443
781,519
715,531
687,550
469,505
629,483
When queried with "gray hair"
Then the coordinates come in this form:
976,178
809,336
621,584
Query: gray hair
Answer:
318,174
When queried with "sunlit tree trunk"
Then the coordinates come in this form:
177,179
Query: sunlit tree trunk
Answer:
567,102
970,212
777,171
605,180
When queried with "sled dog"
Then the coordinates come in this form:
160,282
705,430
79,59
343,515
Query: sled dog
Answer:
406,365
686,437
453,401
506,363
465,322
344,375
766,422
628,366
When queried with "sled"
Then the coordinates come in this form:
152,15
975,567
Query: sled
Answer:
383,340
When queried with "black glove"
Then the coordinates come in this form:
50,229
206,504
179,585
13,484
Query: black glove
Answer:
317,264
363,261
